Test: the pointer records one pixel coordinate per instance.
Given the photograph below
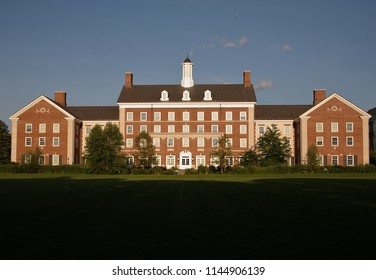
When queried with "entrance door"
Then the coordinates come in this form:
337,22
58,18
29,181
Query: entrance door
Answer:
185,160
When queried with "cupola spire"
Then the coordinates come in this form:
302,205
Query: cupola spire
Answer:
187,80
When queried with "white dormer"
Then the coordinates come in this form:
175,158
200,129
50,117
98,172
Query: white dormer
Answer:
186,96
207,95
187,80
164,95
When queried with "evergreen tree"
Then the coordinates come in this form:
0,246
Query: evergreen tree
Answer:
103,149
250,157
221,151
312,158
5,143
273,148
145,150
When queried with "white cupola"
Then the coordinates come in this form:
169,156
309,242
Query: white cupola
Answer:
187,80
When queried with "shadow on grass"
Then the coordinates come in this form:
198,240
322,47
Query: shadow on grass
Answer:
63,218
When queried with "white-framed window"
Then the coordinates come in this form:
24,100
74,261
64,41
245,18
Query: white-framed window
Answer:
261,129
42,160
171,116
200,142
320,141
87,129
164,96
55,159
56,128
129,142
185,142
185,116
28,128
214,116
185,128
350,160
171,128
200,129
28,141
200,116
229,142
349,127
321,160
143,128
243,129
129,129
334,160
334,141
228,129
215,141
243,116
170,161
156,142
157,160
42,128
143,116
129,116
186,96
243,142
42,141
207,95
228,116
56,141
230,160
214,128
157,128
319,127
200,160
349,141
334,127
287,129
129,160
170,142
157,116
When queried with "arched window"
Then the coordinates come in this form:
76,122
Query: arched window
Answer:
164,95
207,95
186,96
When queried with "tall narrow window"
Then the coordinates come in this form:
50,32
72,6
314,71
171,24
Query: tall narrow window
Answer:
28,128
334,126
42,128
228,116
56,128
200,116
319,127
129,116
143,116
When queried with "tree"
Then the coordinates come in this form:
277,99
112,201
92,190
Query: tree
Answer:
312,159
250,157
372,157
145,150
103,149
273,148
221,152
5,143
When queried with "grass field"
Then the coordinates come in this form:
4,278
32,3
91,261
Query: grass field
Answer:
327,216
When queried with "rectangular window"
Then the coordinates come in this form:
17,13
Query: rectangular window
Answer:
28,128
42,141
42,128
334,160
320,141
200,160
228,116
185,142
200,142
349,127
170,142
171,128
143,128
28,141
157,129
87,129
185,116
243,129
200,129
214,128
170,161
334,126
319,127
157,142
129,116
215,141
287,129
157,160
321,158
229,129
214,116
335,141
349,141
230,160
243,116
261,130
186,128
129,142
229,142
56,128
350,160
56,141
143,116
129,129
200,116
157,116
129,160
55,159
42,160
171,116
243,142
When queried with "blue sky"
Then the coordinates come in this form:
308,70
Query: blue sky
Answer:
85,47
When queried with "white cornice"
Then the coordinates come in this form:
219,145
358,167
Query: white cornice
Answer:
188,105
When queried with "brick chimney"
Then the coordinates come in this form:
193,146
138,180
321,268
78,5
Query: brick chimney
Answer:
61,98
318,95
128,79
247,78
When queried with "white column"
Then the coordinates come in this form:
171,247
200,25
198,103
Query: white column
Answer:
13,157
70,140
303,138
365,120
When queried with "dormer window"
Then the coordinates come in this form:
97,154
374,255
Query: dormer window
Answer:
164,95
186,96
207,95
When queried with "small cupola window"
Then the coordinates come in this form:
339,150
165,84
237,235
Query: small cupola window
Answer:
207,95
186,96
164,95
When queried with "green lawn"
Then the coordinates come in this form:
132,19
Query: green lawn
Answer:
327,216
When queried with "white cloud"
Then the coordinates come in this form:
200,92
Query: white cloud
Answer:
242,41
229,45
237,44
286,48
264,84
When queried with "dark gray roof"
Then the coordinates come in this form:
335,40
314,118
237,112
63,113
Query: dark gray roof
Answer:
219,93
280,112
95,113
372,112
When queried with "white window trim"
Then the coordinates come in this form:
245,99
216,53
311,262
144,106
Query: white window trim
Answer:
352,127
352,141
317,141
317,127
31,128
200,142
331,141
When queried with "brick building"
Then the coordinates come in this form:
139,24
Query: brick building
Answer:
185,121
